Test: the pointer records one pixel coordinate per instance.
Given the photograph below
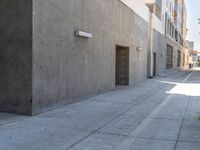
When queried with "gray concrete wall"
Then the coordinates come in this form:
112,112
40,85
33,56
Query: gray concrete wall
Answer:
16,56
159,47
66,67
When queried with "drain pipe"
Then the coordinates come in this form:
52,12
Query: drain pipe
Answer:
150,49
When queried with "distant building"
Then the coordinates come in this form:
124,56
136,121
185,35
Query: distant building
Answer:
195,58
193,54
173,18
191,45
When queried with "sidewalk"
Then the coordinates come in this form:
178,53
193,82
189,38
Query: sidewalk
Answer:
157,114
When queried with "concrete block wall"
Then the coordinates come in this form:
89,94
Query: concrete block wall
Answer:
16,56
159,47
47,66
66,67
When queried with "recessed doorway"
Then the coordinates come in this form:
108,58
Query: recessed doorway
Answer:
169,57
122,66
154,65
179,59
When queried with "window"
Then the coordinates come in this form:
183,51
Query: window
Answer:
168,26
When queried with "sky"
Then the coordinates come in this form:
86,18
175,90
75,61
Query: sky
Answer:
193,11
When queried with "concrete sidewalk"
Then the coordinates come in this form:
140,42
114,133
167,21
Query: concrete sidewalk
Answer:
157,114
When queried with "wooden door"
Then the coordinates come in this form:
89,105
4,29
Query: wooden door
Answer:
122,65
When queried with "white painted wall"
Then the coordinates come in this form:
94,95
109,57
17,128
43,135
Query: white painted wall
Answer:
149,1
139,7
157,24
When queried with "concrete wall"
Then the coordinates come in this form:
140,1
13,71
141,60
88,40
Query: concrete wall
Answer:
16,56
157,24
159,47
66,67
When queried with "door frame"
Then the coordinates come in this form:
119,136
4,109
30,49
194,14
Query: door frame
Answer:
154,64
171,52
126,73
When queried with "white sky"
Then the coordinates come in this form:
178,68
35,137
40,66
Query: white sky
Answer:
193,8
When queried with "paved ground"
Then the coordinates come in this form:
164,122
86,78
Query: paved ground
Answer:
158,114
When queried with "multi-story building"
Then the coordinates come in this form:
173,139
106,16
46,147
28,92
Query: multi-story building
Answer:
194,54
173,21
176,33
54,52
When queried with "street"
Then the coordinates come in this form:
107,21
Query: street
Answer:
157,114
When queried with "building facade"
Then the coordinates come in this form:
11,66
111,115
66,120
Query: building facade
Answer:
168,49
194,54
54,52
175,31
